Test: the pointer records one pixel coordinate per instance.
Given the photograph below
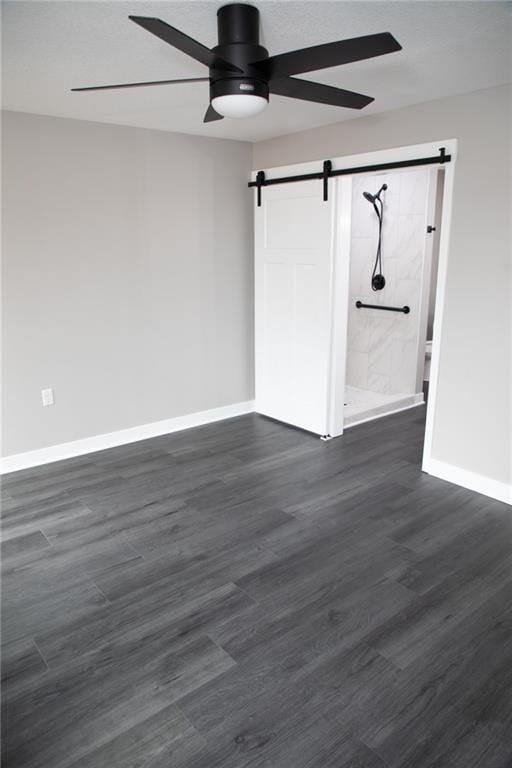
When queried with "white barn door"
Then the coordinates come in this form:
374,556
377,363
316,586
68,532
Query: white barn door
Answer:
294,262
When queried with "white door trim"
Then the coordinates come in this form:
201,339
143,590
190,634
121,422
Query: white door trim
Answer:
444,244
426,279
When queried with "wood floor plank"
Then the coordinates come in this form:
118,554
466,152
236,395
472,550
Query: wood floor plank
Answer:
243,595
164,740
26,611
182,569
179,616
27,542
458,689
86,703
255,716
20,518
21,661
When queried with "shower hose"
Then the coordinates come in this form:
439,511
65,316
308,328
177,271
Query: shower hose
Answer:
377,277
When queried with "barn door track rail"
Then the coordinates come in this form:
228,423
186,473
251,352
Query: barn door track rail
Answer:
327,172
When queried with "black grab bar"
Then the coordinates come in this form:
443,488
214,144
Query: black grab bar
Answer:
405,309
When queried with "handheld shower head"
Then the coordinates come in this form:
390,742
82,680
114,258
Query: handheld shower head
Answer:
372,198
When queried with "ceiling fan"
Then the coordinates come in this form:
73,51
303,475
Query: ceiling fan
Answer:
242,74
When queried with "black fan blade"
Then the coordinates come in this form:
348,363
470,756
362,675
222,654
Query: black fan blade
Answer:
327,55
211,115
139,85
183,43
322,94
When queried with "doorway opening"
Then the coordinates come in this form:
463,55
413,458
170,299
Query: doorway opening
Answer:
394,248
341,325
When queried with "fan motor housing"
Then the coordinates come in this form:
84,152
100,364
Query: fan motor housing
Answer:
238,28
238,23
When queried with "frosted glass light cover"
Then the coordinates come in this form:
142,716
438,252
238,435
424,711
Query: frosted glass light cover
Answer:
239,105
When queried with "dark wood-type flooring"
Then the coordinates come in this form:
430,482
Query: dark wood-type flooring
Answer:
244,595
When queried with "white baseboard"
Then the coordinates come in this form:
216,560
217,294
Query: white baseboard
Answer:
121,437
471,480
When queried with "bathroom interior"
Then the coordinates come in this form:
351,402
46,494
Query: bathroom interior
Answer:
395,231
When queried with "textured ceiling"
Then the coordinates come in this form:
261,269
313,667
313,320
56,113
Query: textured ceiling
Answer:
49,47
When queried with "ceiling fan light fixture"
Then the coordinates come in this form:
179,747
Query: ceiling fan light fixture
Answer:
238,97
239,105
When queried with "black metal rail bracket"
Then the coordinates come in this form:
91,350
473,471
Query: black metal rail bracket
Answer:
327,170
260,181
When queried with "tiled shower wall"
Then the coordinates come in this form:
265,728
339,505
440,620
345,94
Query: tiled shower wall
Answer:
383,347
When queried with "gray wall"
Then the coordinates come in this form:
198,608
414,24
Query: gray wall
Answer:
127,277
472,428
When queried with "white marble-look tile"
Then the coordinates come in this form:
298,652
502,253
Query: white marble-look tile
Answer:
357,369
378,383
407,291
390,197
361,264
413,191
389,266
391,178
380,361
403,366
380,365
358,330
406,328
381,329
355,280
363,182
380,339
390,238
411,246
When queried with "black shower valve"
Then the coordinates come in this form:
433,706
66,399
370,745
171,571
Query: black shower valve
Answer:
378,282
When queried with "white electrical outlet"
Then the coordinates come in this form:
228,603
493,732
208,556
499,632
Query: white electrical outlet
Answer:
47,396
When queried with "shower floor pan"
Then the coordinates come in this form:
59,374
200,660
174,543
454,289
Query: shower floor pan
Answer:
363,405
